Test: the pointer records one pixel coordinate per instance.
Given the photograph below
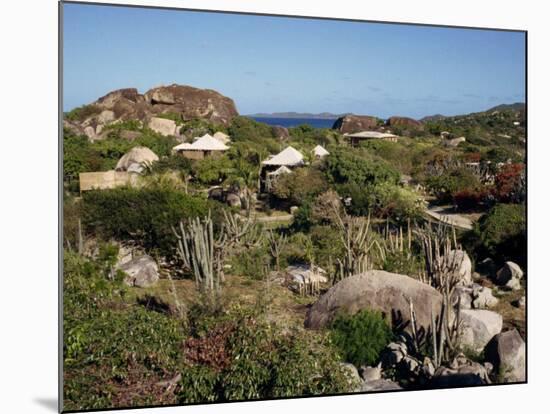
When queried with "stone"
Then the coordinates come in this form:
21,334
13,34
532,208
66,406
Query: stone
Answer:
483,298
106,117
350,124
166,127
191,103
513,284
465,294
393,354
506,351
520,303
411,364
460,372
185,101
280,132
140,272
89,131
379,385
377,290
459,260
404,122
233,200
509,271
370,373
138,155
428,367
454,142
478,327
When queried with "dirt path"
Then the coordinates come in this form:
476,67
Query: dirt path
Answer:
444,215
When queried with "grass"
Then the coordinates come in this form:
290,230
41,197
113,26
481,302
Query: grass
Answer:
285,308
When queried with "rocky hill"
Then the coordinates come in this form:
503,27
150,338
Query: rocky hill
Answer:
180,101
356,123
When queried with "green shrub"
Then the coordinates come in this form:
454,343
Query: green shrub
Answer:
383,200
198,384
361,337
143,215
503,233
107,343
82,112
251,262
453,181
265,362
302,185
345,166
400,262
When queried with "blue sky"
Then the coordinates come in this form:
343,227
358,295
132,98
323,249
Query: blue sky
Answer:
276,64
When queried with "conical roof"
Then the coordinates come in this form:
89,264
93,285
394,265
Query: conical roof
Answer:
289,157
205,143
320,151
208,143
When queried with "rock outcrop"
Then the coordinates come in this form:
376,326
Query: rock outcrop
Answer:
355,123
377,290
128,104
404,122
509,276
141,271
478,327
506,351
163,126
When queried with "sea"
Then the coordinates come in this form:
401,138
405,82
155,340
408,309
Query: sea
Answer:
292,122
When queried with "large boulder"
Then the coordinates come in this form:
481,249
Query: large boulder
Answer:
461,372
379,385
377,290
350,124
191,103
509,276
280,132
163,126
404,122
140,272
483,297
136,159
506,351
477,328
128,104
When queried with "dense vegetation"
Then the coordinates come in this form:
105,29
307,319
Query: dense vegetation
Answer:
166,344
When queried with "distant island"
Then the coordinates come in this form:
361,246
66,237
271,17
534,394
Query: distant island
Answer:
301,115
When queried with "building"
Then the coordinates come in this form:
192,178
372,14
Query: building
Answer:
319,152
205,146
356,138
223,138
127,171
272,167
272,176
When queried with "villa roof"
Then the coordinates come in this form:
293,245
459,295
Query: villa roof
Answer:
281,170
371,134
204,143
320,151
288,157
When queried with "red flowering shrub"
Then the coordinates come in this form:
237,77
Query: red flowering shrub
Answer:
508,182
470,198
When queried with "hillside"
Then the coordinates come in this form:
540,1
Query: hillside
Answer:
209,257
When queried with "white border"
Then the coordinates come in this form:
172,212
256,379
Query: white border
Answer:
29,202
